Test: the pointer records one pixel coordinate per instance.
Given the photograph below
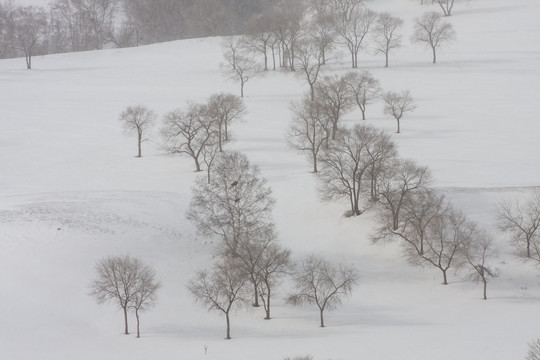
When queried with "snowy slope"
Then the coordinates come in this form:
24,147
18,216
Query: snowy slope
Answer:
71,192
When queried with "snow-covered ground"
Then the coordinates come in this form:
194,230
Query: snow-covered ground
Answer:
71,192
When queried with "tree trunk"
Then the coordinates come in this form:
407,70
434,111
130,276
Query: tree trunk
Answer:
256,293
485,289
445,280
386,65
139,143
434,55
397,126
241,88
322,317
138,323
267,306
197,164
228,326
315,170
126,331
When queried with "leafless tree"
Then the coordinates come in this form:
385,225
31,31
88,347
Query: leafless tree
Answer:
477,253
310,58
521,219
363,87
129,282
398,104
274,263
403,178
415,216
88,22
250,248
386,38
319,282
235,203
188,132
334,97
260,37
346,8
221,290
307,131
242,68
345,165
433,32
223,109
533,352
29,24
145,294
353,29
138,120
382,153
322,28
446,6
289,21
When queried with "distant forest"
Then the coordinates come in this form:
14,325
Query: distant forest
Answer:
79,25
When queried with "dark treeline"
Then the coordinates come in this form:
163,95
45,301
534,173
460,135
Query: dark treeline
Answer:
79,25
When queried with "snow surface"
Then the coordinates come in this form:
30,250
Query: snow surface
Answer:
72,192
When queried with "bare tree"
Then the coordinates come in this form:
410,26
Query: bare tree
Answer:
242,69
310,57
534,350
138,120
345,165
446,6
404,178
382,152
322,29
363,87
274,263
385,36
334,97
221,290
307,131
477,253
433,32
129,282
29,24
188,132
145,293
250,248
318,282
89,23
521,219
223,109
260,37
415,216
235,203
289,21
398,104
353,29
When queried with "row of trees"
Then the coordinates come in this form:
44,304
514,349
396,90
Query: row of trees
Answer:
77,25
199,131
304,35
235,208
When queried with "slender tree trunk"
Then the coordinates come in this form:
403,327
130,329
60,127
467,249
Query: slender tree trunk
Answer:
322,317
228,326
267,306
397,126
255,293
386,65
434,55
265,60
138,323
445,279
126,331
139,143
315,170
485,289
241,88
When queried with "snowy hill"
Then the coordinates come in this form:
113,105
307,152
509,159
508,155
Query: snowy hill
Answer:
72,192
